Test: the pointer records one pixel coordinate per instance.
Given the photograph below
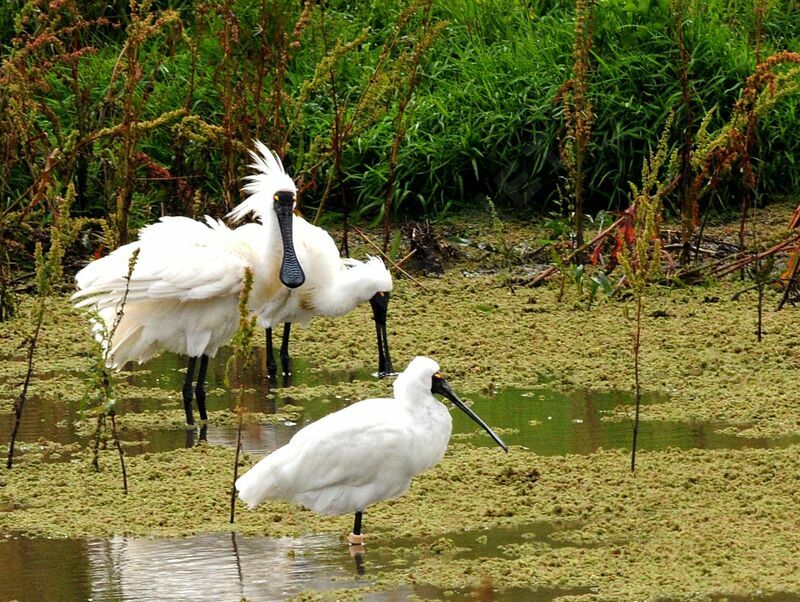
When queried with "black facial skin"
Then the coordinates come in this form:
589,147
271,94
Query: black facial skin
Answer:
292,274
442,387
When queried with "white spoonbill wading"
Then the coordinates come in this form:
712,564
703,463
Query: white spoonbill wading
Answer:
366,453
333,285
183,292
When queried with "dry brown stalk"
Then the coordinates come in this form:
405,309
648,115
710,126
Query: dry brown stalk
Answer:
394,264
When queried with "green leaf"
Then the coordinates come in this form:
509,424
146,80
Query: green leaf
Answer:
603,282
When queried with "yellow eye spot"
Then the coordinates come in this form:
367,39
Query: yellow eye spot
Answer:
437,375
276,197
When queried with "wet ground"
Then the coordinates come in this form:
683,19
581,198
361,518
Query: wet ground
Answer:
710,514
544,421
230,566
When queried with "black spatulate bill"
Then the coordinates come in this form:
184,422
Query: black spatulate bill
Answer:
442,387
292,274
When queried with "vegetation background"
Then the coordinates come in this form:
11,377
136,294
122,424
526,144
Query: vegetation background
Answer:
380,109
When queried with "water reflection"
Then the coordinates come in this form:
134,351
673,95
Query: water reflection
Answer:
547,422
204,567
556,423
222,566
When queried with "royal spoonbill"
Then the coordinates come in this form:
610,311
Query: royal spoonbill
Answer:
333,285
366,453
183,291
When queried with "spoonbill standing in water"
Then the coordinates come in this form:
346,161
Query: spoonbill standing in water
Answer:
183,292
366,453
333,285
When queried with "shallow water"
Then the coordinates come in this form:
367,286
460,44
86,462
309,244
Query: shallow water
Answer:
228,566
220,566
545,421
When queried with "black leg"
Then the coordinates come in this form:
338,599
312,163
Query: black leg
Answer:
355,539
380,304
272,366
388,368
187,390
200,389
357,552
286,361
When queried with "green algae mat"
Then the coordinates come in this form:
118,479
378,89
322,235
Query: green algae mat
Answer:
689,524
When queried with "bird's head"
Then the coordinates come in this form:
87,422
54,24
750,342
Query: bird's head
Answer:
268,183
423,374
272,200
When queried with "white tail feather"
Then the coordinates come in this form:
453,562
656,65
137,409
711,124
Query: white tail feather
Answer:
263,480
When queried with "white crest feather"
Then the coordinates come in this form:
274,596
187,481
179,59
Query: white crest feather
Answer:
269,178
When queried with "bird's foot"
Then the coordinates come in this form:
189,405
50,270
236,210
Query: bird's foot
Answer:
355,540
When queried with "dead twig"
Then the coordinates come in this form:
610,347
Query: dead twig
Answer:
394,264
407,257
554,268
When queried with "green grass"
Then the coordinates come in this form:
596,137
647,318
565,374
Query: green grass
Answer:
482,121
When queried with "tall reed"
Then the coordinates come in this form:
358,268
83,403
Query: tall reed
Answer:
243,346
688,201
49,272
100,386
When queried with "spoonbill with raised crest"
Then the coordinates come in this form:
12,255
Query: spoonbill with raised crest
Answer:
183,291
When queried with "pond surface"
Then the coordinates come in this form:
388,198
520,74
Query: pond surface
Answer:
219,566
227,566
545,421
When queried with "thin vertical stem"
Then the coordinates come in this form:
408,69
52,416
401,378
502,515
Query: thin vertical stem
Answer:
118,445
101,421
23,396
689,208
240,411
243,344
638,391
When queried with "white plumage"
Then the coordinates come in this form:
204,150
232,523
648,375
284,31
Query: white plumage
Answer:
363,454
184,289
182,295
333,285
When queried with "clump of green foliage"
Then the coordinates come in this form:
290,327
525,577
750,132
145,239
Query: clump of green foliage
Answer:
383,109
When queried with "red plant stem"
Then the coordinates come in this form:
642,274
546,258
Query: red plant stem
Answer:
689,207
553,268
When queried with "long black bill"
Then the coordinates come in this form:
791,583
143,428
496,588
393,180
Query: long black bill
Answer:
292,274
380,305
442,387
